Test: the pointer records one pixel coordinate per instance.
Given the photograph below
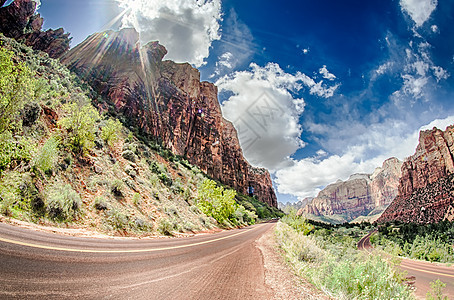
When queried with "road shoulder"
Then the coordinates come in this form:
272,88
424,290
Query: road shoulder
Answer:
279,276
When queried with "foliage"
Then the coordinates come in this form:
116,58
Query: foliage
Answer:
436,292
217,202
79,122
431,242
47,158
165,226
16,87
109,132
117,219
12,149
343,272
298,223
63,203
10,193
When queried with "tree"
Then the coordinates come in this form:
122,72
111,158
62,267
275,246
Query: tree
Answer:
16,86
110,131
80,124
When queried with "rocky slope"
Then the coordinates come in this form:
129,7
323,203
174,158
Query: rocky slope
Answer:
296,206
168,103
360,195
19,21
426,189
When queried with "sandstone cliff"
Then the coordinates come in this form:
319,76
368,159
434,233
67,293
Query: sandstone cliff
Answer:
360,195
167,102
426,189
19,21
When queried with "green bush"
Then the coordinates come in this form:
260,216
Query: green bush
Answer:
165,226
63,203
79,122
298,223
16,87
109,132
117,219
47,157
13,150
344,273
10,195
436,292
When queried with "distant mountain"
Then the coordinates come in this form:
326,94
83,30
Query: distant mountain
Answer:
19,21
296,206
426,189
360,196
166,102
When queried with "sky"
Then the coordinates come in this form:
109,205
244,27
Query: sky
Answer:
318,90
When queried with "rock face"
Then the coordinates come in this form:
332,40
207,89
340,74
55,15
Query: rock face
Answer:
296,206
426,189
167,102
19,21
360,195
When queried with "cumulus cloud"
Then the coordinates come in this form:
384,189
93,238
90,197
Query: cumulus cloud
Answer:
326,74
306,177
185,27
418,10
264,113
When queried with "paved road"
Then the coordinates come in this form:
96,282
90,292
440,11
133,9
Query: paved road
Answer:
224,265
424,272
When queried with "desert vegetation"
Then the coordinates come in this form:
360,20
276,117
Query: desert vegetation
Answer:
327,256
430,242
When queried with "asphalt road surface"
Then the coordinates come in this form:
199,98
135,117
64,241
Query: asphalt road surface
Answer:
225,265
423,272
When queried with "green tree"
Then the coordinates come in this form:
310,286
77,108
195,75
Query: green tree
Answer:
217,202
109,132
16,86
80,124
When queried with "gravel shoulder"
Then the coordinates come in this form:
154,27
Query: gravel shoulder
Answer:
280,277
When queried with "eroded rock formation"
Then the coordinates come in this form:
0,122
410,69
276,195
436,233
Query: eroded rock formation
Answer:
168,102
426,189
358,196
19,21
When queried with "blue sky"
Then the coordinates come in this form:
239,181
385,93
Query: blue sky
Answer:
318,90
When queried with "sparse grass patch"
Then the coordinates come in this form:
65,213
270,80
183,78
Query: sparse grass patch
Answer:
343,273
63,203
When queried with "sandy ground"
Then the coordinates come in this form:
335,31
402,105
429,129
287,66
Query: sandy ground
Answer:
280,277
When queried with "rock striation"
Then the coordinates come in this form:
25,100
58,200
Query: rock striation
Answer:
19,21
360,195
426,189
167,102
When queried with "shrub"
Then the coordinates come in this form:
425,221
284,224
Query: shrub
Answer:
217,202
117,219
298,223
165,226
79,122
436,292
117,188
109,132
63,203
48,155
13,150
16,86
345,274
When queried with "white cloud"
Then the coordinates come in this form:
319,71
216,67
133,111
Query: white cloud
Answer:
435,29
185,27
306,177
326,74
419,10
265,113
306,50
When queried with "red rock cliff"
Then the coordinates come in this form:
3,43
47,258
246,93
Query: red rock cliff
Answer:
167,101
426,190
358,196
19,21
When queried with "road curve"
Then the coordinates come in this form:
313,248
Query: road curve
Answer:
423,272
225,265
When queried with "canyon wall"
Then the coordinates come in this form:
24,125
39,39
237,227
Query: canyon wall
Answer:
360,195
426,189
19,21
168,103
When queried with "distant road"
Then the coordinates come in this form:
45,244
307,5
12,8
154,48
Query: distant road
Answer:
225,265
424,272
